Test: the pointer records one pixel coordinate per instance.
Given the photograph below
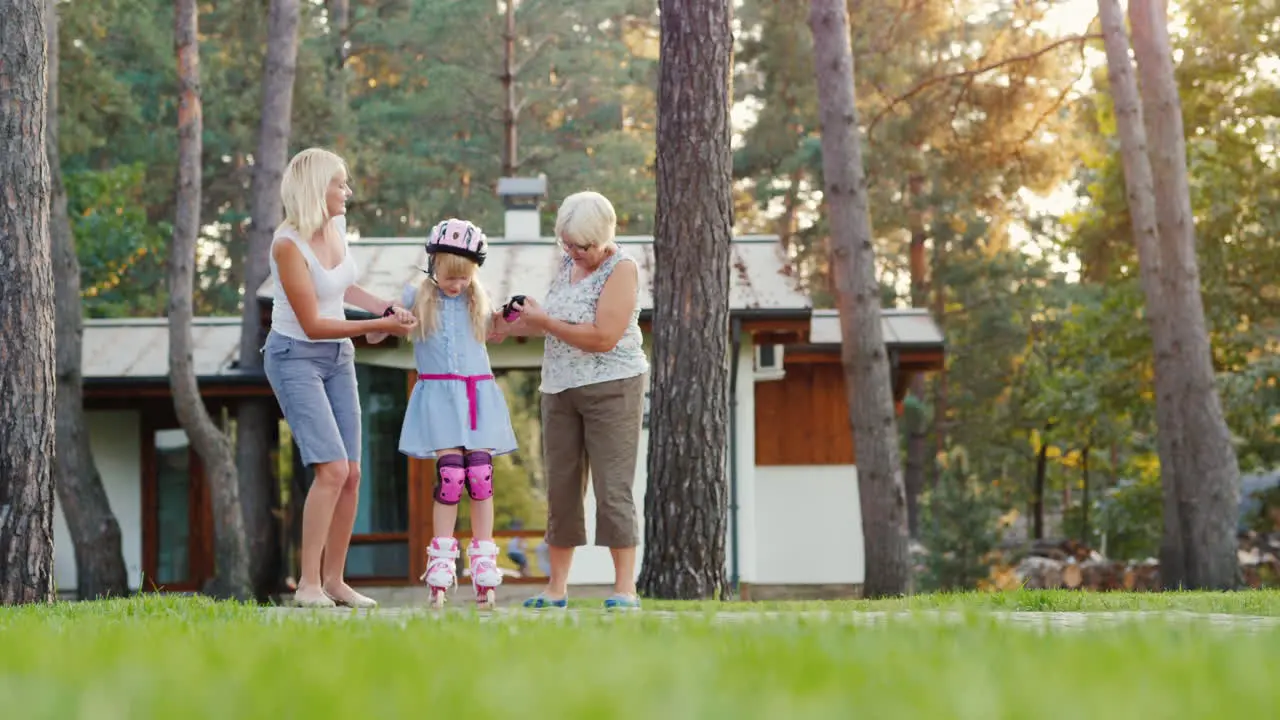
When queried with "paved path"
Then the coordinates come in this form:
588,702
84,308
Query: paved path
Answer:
1041,621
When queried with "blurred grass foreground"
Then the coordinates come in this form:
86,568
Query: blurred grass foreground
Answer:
1184,655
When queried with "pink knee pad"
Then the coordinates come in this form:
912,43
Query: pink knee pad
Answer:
450,478
480,475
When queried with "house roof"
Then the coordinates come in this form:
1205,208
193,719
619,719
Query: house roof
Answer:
902,328
759,281
138,348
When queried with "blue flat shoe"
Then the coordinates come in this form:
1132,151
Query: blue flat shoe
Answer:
622,602
541,601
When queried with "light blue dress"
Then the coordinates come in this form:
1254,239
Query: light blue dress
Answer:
440,414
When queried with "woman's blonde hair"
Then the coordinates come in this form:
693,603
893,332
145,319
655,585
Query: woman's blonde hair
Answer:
426,302
586,218
304,186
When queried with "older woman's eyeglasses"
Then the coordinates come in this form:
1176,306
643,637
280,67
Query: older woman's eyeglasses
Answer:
580,247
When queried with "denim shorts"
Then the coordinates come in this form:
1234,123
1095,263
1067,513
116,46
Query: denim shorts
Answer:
315,384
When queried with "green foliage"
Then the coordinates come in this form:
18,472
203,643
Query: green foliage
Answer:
1229,105
953,145
524,402
958,526
1251,398
1130,517
122,255
423,129
428,103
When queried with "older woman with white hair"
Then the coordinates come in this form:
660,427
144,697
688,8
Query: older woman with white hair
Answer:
594,374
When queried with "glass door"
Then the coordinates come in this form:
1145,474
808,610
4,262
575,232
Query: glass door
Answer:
173,461
177,534
380,543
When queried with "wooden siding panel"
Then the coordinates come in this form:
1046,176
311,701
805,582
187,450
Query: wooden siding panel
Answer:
803,418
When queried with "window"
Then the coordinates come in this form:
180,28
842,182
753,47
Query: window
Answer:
379,559
177,520
173,507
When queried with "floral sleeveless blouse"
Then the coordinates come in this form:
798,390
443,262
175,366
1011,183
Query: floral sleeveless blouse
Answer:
564,366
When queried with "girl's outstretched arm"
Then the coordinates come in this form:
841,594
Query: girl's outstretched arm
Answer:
497,328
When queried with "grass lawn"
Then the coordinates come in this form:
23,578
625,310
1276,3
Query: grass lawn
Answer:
161,657
1254,602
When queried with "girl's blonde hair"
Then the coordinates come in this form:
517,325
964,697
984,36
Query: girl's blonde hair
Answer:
426,302
303,189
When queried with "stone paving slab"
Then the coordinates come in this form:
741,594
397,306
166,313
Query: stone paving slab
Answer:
1042,621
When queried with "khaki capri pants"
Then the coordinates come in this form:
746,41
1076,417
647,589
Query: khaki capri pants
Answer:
594,426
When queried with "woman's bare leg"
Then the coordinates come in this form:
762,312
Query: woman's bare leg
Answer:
624,570
317,518
561,562
339,542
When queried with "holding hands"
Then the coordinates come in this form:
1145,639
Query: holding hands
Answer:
529,310
405,317
395,321
517,317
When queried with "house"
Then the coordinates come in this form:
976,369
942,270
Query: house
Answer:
152,476
789,435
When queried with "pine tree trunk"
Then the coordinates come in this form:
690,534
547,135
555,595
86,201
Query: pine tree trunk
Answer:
939,297
339,28
866,366
27,366
1139,186
1038,486
917,427
1209,474
100,568
1084,501
686,503
254,416
212,445
510,147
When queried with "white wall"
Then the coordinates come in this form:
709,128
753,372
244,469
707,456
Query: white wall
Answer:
808,525
115,437
746,472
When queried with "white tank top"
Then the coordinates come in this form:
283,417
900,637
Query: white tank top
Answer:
330,285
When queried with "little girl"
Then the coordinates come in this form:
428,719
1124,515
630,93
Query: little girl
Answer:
457,413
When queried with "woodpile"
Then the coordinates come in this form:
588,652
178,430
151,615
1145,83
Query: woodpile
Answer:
1259,556
1041,573
1070,565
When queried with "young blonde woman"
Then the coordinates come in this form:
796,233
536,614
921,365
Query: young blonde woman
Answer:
457,414
310,362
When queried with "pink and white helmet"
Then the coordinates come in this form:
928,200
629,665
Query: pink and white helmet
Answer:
460,238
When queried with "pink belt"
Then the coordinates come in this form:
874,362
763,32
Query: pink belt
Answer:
472,381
